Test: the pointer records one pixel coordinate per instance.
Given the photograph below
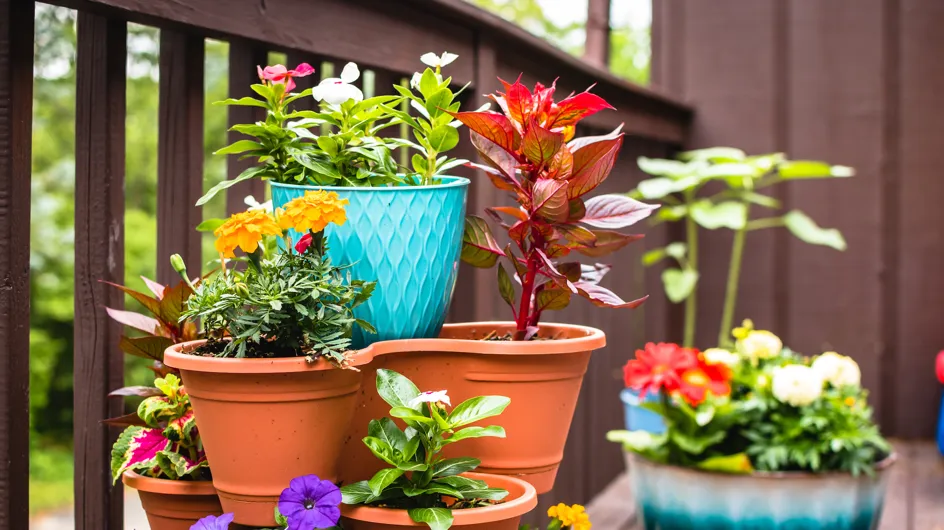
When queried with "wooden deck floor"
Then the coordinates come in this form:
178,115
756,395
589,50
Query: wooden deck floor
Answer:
915,499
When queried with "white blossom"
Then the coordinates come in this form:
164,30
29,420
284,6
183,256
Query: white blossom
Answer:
797,385
721,356
760,344
431,397
433,60
337,90
837,370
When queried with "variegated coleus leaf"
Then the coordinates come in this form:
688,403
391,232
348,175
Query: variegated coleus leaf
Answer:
154,410
175,465
181,429
137,449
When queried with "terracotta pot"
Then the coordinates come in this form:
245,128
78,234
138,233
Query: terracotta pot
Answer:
522,498
266,421
677,498
541,377
174,504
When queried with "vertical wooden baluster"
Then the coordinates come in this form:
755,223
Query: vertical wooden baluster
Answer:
294,59
244,56
597,50
16,103
179,151
99,255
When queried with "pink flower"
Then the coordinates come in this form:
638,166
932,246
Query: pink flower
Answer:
939,368
303,243
431,397
280,74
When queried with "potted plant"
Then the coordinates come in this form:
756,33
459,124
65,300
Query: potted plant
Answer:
274,382
418,487
530,152
405,227
758,436
163,459
564,517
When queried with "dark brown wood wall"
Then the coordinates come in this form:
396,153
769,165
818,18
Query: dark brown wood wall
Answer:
856,82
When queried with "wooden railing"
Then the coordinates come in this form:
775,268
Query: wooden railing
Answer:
386,37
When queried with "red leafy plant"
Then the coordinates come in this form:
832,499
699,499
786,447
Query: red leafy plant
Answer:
529,151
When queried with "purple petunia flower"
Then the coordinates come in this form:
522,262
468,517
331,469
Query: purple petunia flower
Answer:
310,503
212,522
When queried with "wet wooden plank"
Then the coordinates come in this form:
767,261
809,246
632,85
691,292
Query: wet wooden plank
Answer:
99,255
179,151
927,472
613,507
16,96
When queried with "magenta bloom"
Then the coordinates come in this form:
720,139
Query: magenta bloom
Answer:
211,522
310,503
282,75
303,243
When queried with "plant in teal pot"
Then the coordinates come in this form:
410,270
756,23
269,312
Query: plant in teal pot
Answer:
405,223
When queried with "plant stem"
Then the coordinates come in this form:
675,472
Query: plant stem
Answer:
691,234
527,289
734,276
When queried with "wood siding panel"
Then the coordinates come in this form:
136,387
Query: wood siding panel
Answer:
244,56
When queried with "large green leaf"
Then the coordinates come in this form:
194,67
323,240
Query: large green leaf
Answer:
663,167
357,493
239,146
679,283
245,175
715,154
395,389
383,478
675,250
443,138
804,169
728,214
637,441
477,432
381,450
436,518
807,230
505,287
455,466
387,430
477,408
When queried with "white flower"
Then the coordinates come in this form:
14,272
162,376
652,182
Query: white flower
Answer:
838,370
760,344
721,356
797,385
415,80
431,397
253,204
337,90
435,61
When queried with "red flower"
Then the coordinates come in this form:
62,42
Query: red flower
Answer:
939,368
279,74
659,366
303,243
698,381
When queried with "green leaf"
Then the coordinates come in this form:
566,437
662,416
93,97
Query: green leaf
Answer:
803,169
428,83
408,414
659,187
357,493
245,175
730,169
737,463
489,494
675,250
386,430
715,154
679,283
728,214
244,102
239,146
479,247
395,389
477,432
552,299
435,518
210,225
660,167
443,138
505,287
637,441
383,478
328,145
455,466
696,444
476,409
808,231
381,450
440,99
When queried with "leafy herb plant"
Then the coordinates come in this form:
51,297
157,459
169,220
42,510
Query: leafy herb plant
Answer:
530,153
420,480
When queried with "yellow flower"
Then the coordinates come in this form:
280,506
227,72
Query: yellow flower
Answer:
746,327
574,516
849,401
759,344
313,211
245,230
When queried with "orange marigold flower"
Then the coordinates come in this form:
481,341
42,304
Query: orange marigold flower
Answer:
245,230
313,211
570,516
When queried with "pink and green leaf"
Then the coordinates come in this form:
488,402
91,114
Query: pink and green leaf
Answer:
550,200
151,347
551,299
602,297
540,145
607,242
137,321
140,391
179,429
577,107
493,126
137,448
592,164
479,247
155,409
150,303
615,211
155,287
518,100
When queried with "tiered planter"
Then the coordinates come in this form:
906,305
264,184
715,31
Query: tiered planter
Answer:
406,238
174,504
542,378
266,421
506,515
675,498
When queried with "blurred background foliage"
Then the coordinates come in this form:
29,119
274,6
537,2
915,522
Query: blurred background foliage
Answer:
562,22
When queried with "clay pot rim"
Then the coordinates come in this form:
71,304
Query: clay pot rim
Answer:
591,339
515,507
167,486
229,365
448,182
880,467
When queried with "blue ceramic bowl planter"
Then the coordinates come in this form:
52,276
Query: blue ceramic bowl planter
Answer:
638,418
406,238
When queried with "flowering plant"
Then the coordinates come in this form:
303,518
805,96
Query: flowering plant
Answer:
564,517
167,445
530,152
285,303
421,481
679,183
759,406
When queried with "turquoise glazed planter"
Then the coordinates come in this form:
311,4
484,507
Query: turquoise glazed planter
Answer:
408,240
638,418
675,498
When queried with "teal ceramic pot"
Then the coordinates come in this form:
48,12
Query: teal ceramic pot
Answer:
675,498
408,240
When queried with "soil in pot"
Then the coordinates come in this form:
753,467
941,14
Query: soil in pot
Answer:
542,378
266,421
506,515
174,504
